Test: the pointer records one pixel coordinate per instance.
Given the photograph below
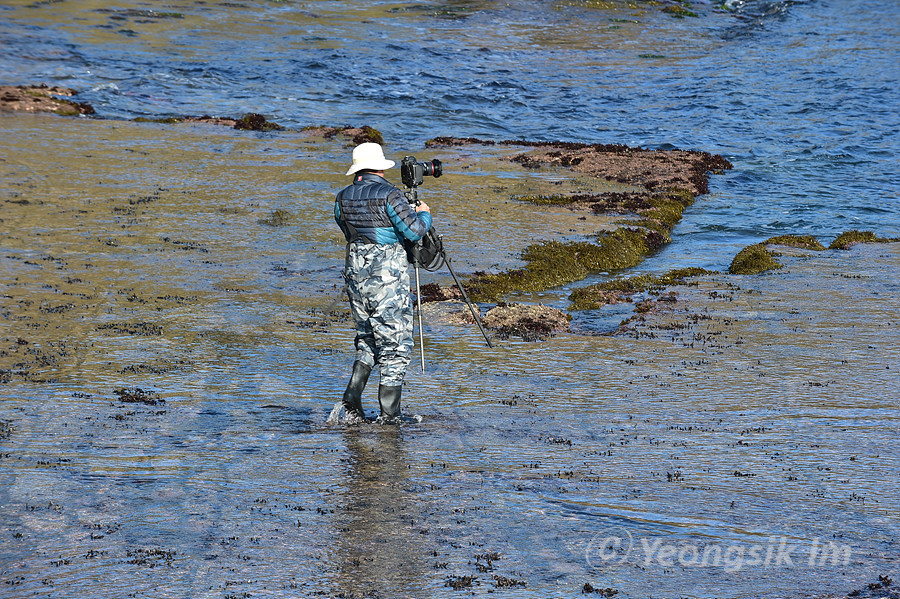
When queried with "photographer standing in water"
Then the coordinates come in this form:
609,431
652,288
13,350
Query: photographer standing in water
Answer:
375,218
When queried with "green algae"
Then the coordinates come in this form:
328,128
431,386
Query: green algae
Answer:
753,259
679,12
553,263
593,297
806,242
848,238
669,208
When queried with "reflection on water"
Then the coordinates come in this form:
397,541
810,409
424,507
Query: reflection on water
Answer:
382,549
140,257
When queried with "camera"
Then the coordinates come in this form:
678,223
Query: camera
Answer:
411,172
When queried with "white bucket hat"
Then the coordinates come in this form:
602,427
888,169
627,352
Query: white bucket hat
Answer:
369,156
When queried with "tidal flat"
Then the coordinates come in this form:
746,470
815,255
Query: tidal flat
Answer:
173,337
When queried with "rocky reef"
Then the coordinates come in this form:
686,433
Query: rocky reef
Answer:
664,183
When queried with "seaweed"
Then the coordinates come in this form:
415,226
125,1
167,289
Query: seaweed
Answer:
806,242
368,134
170,120
458,583
610,292
553,263
849,238
679,12
753,259
138,395
253,121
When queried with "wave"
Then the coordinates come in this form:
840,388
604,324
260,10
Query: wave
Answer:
755,14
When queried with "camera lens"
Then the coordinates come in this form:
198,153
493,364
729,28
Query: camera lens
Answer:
433,168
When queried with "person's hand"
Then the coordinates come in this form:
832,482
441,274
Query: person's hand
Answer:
423,207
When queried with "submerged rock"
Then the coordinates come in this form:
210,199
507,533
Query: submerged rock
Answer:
41,98
621,290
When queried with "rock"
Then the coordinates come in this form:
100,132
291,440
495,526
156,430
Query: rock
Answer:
532,323
41,98
253,121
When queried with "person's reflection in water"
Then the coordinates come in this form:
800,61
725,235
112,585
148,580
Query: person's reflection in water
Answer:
382,550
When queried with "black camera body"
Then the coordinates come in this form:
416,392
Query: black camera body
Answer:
411,171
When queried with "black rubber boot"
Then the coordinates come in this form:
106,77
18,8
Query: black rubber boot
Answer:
389,398
353,395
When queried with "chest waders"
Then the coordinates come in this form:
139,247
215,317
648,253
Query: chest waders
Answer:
388,395
352,399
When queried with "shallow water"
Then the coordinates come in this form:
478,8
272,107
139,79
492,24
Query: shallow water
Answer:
758,414
764,417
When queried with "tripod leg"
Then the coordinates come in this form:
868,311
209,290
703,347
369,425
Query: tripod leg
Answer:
466,297
421,332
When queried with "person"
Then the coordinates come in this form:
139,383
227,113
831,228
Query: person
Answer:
375,218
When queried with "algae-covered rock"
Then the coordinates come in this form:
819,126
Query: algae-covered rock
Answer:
527,321
253,121
753,260
849,238
432,292
650,169
594,297
357,135
806,242
665,183
553,263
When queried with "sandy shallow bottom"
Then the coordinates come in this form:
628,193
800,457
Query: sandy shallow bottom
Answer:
739,442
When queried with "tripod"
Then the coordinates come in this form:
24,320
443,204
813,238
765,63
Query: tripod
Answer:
429,253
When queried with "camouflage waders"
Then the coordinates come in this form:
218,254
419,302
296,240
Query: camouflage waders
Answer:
378,289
